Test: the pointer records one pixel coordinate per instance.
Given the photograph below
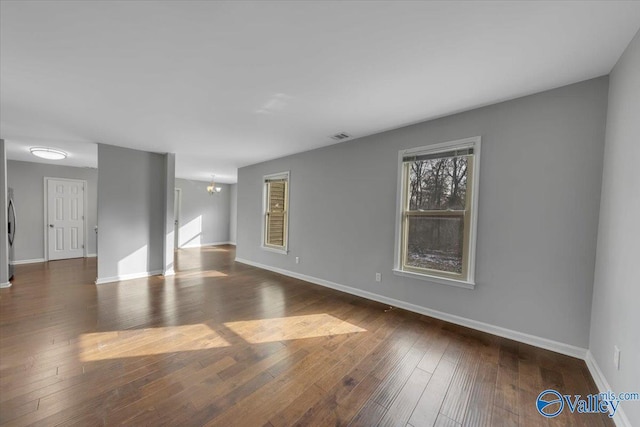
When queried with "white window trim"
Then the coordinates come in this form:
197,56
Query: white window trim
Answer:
470,283
280,175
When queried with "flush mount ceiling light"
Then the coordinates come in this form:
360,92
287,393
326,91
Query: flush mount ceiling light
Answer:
212,188
48,153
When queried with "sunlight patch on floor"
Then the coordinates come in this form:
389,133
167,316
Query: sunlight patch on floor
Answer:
291,328
213,249
146,342
200,273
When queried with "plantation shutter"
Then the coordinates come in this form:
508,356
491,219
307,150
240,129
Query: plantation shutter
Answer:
276,212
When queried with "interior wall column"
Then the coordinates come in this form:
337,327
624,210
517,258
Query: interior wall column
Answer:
169,223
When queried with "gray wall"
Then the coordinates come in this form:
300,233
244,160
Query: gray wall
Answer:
616,314
169,225
541,169
4,242
204,218
233,213
27,181
131,212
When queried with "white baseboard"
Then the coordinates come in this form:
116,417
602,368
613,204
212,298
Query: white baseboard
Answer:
36,260
132,276
545,343
26,261
596,373
620,419
5,285
169,272
200,245
227,242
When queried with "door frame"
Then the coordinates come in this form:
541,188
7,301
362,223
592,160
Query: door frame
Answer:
176,221
46,212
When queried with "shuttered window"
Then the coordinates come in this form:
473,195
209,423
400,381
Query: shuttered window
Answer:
276,189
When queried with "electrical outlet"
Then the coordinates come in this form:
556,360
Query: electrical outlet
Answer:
378,277
616,357
297,260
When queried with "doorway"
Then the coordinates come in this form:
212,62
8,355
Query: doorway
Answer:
64,216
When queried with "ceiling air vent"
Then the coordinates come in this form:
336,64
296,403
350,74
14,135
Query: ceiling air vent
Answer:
340,136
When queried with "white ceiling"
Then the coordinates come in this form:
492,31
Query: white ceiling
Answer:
227,84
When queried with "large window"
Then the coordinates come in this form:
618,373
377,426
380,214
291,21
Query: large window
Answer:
276,207
437,214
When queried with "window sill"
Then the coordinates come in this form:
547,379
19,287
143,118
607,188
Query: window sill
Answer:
278,251
435,279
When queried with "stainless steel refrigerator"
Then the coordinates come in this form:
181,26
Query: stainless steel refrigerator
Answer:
11,229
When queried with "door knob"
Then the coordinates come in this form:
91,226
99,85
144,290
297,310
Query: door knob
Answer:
51,225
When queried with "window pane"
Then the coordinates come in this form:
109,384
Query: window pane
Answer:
435,243
438,184
276,196
275,233
275,229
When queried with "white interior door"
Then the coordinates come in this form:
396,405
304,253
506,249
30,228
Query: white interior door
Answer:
176,217
65,219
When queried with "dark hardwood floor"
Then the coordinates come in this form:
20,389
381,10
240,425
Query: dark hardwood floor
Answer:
222,343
